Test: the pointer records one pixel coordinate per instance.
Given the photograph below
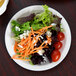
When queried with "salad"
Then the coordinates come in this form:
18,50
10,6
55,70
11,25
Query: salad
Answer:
38,37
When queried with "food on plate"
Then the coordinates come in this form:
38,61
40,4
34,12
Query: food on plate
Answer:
38,37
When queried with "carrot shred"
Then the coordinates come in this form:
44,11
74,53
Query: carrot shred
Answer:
15,47
22,40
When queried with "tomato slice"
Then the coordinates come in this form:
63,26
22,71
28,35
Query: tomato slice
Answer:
55,55
58,45
60,36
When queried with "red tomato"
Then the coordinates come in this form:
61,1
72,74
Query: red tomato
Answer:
60,36
58,45
55,55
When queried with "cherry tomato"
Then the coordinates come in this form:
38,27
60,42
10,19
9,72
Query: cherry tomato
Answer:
55,55
60,36
58,45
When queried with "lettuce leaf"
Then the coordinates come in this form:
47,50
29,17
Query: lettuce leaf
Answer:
26,26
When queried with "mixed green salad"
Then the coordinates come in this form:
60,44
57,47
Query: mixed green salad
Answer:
37,37
38,21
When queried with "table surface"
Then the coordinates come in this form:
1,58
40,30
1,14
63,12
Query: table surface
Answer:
67,67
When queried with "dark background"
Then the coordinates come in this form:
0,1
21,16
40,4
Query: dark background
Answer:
67,67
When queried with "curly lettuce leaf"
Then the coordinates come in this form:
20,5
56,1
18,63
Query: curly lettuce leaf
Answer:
45,18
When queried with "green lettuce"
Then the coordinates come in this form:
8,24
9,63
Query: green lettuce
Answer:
40,20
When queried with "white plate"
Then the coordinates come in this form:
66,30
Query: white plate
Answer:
10,43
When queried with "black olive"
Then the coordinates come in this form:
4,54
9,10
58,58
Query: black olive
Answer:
44,37
36,58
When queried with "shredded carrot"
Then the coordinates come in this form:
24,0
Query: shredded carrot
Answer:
29,43
15,47
22,40
44,28
49,39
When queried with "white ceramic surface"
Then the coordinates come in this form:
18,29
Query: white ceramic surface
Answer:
3,7
10,43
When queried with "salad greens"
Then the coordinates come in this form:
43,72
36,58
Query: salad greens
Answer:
26,26
45,18
30,60
40,20
16,38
